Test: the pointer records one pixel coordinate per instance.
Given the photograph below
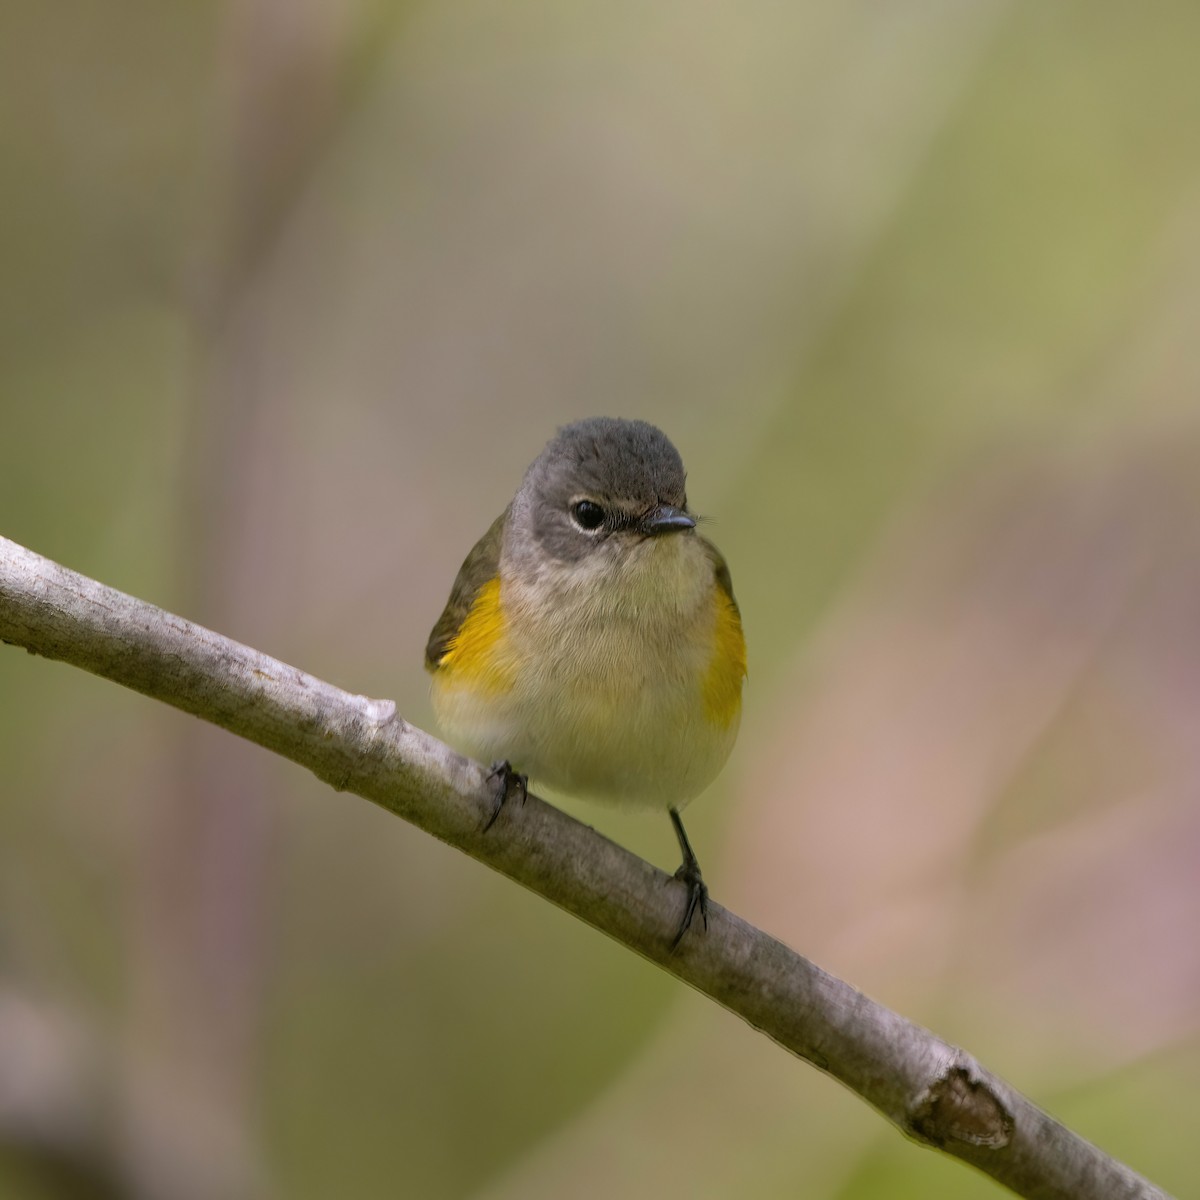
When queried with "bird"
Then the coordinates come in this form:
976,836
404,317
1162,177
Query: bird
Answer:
591,642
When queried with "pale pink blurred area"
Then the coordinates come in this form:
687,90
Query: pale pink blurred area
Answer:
979,792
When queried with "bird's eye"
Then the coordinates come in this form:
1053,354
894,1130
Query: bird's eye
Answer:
587,514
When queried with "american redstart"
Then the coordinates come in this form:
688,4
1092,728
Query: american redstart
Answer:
591,641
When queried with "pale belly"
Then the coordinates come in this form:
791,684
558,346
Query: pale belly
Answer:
607,714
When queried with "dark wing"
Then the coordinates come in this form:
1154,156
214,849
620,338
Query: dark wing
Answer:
721,570
478,567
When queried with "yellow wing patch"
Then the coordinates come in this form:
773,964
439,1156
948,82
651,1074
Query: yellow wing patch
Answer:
474,654
723,680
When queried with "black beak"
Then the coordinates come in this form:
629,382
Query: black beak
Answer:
667,519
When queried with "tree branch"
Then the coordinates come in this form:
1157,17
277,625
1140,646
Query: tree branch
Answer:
933,1092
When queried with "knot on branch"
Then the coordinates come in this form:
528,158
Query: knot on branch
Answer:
962,1107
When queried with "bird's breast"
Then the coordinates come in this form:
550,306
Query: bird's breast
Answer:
617,687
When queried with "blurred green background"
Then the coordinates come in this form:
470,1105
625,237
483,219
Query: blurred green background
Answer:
292,293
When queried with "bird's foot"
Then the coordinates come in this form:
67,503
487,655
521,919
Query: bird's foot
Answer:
689,873
505,782
697,898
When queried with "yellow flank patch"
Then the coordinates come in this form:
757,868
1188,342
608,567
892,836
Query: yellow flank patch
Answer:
474,655
723,680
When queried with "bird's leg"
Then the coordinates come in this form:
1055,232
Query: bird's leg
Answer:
689,873
505,780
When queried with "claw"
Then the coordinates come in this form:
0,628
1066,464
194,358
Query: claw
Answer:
506,780
697,898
